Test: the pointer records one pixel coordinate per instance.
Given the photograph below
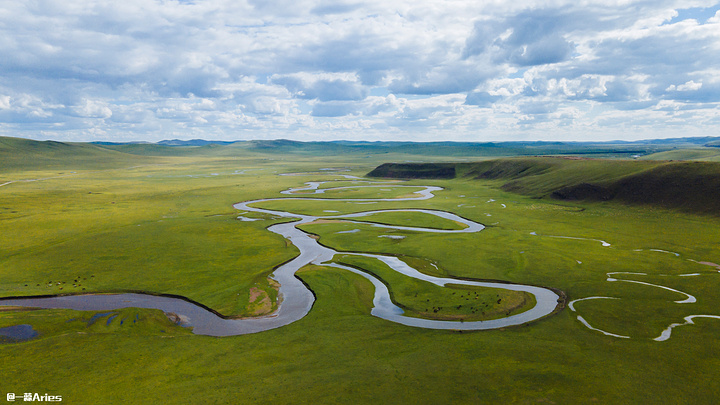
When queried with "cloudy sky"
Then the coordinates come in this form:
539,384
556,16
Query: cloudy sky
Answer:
466,70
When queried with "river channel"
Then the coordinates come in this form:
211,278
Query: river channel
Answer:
296,299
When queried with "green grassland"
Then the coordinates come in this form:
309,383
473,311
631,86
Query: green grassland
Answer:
455,302
702,154
158,219
414,219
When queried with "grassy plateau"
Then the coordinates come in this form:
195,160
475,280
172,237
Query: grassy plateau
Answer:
636,237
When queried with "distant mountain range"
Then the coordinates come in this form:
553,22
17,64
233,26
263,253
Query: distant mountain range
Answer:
25,154
170,142
284,143
193,142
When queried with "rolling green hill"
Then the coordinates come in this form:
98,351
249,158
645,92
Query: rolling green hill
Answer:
144,149
415,170
688,186
702,154
691,185
458,149
18,154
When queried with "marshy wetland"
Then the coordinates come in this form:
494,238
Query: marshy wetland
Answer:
640,282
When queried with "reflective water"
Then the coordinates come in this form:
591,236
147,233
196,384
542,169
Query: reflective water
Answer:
17,333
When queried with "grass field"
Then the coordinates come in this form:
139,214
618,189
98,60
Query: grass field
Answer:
165,224
702,154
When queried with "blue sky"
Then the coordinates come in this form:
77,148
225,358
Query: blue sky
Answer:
359,70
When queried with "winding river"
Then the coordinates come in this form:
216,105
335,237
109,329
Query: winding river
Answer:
613,277
296,298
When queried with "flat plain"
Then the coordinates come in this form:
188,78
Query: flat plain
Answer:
86,219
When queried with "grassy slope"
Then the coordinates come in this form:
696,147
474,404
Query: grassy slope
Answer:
18,155
189,243
690,186
708,154
415,171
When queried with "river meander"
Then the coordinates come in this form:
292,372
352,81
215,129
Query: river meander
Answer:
296,299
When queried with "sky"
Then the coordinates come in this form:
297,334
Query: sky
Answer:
366,70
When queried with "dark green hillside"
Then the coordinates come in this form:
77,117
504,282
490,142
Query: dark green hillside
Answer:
540,176
693,186
415,170
688,186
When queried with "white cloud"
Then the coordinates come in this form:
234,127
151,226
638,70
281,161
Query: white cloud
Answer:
323,87
92,109
688,86
715,19
318,69
263,105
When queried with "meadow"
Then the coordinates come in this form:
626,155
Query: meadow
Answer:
160,220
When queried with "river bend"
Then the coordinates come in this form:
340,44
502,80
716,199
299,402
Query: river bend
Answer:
296,298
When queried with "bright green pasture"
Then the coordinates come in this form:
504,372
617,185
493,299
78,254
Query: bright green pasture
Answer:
368,360
172,229
453,302
371,192
53,323
410,219
162,230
